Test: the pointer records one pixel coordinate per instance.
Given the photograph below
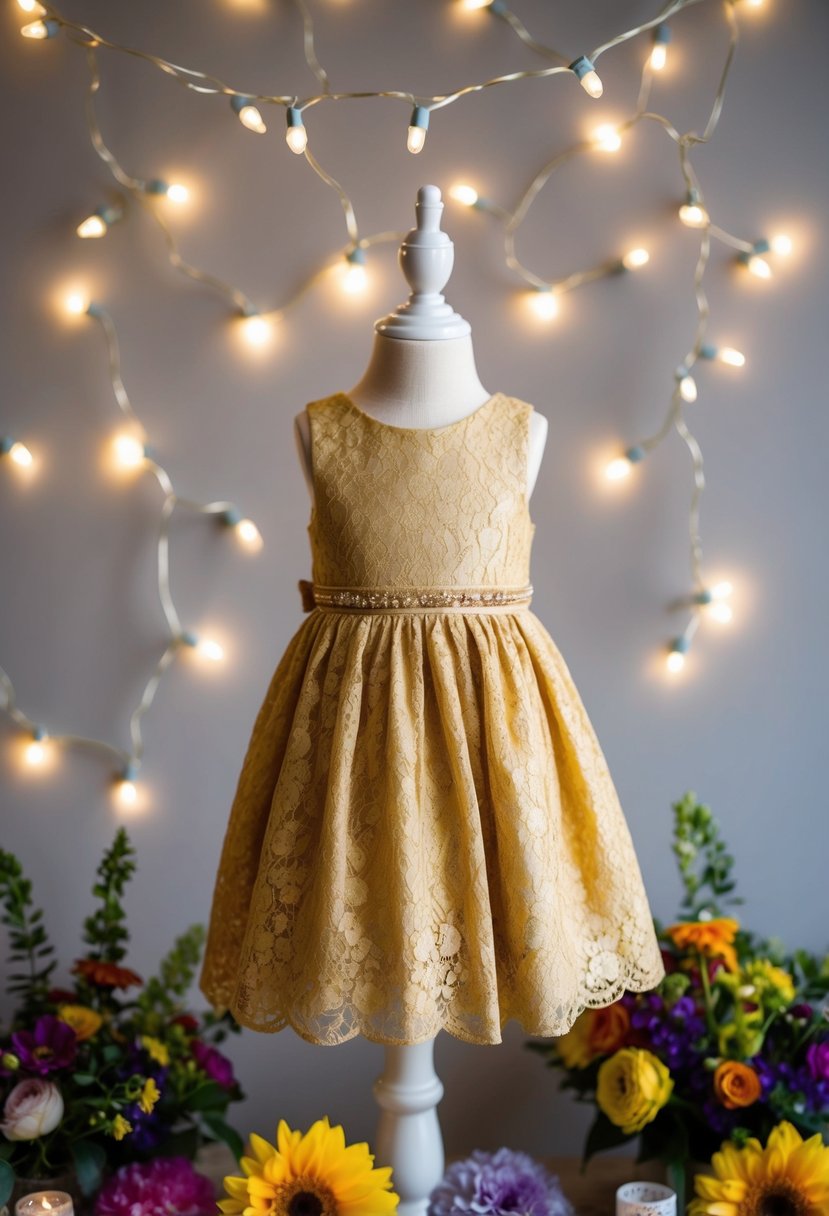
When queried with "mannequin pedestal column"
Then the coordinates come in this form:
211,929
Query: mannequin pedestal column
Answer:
408,1134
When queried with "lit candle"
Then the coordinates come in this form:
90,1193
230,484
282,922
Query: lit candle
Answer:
45,1203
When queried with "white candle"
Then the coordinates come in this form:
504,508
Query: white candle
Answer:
45,1203
645,1199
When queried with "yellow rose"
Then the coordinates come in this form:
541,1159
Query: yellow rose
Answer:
84,1021
633,1086
574,1047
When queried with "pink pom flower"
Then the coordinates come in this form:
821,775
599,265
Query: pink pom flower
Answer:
166,1186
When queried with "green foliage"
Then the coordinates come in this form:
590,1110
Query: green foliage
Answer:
165,992
30,946
105,930
705,865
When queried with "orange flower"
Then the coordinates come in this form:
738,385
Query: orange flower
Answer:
736,1084
608,1029
711,937
106,975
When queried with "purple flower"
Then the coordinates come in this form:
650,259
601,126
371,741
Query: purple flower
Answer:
496,1184
212,1062
53,1045
156,1188
817,1057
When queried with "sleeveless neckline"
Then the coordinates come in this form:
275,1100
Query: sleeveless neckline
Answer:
419,430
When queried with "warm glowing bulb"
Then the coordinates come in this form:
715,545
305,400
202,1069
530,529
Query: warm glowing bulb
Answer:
472,5
209,649
126,793
759,266
721,612
297,139
249,534
635,258
591,84
93,227
722,590
256,329
129,451
544,304
467,195
675,661
688,389
355,279
734,358
755,3
36,753
659,56
416,139
781,244
20,454
250,117
618,469
37,29
76,304
177,193
31,6
607,139
693,216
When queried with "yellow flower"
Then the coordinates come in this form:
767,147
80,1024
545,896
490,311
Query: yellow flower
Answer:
311,1173
574,1046
149,1096
121,1127
790,1177
155,1049
770,981
632,1087
711,937
84,1021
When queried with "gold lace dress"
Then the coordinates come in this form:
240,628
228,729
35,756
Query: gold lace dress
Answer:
425,835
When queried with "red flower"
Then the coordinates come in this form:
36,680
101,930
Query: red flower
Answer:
187,1022
106,975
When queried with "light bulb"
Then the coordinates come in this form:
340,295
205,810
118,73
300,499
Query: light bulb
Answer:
606,138
16,451
249,535
618,469
355,279
587,76
687,388
418,126
296,137
250,117
759,267
177,193
635,258
720,611
76,304
40,29
781,244
209,649
659,53
467,195
693,216
722,590
675,661
732,357
37,752
472,5
544,303
256,329
126,792
129,451
31,6
91,227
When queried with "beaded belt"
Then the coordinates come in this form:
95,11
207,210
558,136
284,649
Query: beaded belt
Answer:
413,599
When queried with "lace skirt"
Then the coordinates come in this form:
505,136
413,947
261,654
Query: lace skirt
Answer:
425,836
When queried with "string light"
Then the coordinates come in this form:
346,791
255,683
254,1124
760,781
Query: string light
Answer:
781,244
41,29
256,329
687,384
467,196
130,453
606,138
622,466
659,52
355,279
474,5
723,354
692,214
126,791
248,114
206,647
754,260
587,76
98,224
544,304
16,451
245,529
76,304
37,752
174,191
31,6
418,126
676,654
634,259
296,135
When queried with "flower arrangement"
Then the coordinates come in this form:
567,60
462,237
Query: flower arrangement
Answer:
107,1069
156,1188
315,1174
733,1040
498,1184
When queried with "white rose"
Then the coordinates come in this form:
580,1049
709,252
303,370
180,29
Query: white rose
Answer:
33,1108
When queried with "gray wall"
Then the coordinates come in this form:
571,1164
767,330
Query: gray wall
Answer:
80,621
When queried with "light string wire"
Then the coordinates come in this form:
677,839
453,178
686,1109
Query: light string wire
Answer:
205,83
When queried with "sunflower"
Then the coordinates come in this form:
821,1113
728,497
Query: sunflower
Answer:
310,1175
790,1177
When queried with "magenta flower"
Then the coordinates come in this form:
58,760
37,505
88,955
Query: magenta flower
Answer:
156,1188
53,1045
817,1057
212,1062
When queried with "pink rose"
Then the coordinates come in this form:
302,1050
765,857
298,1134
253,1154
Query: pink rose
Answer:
33,1108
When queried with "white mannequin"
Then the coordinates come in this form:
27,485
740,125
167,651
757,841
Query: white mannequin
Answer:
421,375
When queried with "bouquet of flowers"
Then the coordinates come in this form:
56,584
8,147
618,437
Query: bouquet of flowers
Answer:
107,1069
734,1040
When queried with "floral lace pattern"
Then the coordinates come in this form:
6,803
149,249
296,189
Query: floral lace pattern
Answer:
425,834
